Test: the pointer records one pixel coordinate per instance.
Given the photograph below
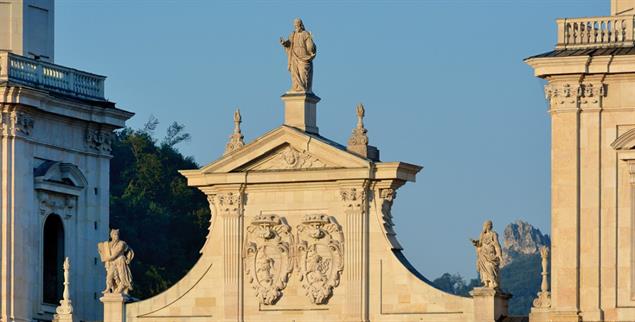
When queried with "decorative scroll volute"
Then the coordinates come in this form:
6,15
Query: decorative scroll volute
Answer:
268,257
387,196
320,257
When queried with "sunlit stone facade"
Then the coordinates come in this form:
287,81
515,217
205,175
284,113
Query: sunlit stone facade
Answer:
590,86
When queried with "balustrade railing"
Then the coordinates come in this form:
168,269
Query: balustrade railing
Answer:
595,32
30,72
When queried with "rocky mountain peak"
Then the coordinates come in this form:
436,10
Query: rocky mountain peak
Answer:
521,238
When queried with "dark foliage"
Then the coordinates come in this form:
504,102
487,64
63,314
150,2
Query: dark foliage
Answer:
159,216
455,284
521,278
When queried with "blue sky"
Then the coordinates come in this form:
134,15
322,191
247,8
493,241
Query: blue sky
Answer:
443,83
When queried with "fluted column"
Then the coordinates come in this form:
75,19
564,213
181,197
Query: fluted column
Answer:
229,206
355,202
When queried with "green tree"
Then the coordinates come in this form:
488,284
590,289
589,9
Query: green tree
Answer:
160,217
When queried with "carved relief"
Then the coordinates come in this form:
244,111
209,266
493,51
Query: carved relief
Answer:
387,196
53,203
99,140
563,95
268,257
353,198
227,203
17,123
568,95
320,258
290,158
592,95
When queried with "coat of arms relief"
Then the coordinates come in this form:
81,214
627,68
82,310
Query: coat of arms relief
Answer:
272,252
320,257
268,257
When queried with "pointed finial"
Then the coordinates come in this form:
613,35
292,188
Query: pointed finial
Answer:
360,115
237,120
358,142
236,139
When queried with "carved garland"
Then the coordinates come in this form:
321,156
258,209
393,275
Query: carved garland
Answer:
320,258
268,257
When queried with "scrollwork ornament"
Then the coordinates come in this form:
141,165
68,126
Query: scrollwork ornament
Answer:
268,257
320,256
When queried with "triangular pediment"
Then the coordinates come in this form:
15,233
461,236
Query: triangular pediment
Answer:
286,148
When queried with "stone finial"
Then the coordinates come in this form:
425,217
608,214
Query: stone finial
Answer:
65,309
236,140
358,142
544,296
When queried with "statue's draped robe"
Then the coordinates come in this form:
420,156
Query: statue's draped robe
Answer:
488,258
119,264
300,52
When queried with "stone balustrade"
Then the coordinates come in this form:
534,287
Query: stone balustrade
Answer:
30,72
595,32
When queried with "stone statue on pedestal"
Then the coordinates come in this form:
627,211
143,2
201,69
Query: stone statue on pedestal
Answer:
301,51
116,256
488,256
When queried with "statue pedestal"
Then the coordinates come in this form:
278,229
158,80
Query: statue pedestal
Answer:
489,304
115,307
539,315
300,111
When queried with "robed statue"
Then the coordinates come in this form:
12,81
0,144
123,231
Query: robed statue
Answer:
300,50
116,256
488,256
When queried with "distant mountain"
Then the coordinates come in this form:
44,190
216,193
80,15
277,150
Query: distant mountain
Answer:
520,272
521,238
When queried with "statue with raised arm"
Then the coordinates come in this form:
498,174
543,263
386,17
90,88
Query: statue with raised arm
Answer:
488,256
116,256
300,50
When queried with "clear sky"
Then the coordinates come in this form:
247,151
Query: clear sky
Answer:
443,82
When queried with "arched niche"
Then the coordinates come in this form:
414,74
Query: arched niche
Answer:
52,259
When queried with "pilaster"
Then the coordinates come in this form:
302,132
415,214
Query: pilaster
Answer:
592,92
228,205
564,97
355,204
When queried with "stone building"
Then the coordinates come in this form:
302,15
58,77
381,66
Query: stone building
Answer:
55,137
302,230
590,86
